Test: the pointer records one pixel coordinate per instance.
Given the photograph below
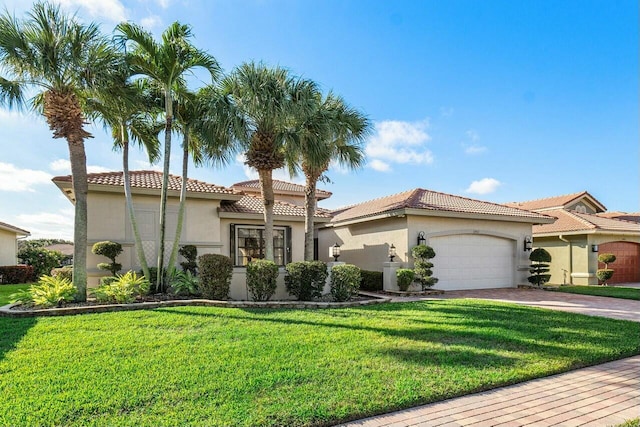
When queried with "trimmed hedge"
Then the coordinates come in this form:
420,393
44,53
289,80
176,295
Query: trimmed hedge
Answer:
14,274
345,282
306,279
371,280
262,276
215,275
405,277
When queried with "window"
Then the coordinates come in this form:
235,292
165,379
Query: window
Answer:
247,243
581,209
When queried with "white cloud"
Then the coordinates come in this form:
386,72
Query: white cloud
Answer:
379,165
484,186
145,165
475,149
163,3
64,166
473,135
398,142
151,22
15,179
48,224
109,10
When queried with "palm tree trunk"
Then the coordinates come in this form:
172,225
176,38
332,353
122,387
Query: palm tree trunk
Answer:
310,212
266,186
168,105
78,161
132,215
183,197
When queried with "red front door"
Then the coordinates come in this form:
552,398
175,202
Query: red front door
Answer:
627,265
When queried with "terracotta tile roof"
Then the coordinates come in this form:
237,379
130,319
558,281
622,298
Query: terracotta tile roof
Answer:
280,186
151,180
553,202
633,216
9,227
571,221
254,205
431,201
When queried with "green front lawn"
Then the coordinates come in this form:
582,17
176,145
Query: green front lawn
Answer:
216,366
602,291
6,290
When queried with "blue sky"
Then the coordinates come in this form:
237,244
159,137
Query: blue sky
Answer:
495,100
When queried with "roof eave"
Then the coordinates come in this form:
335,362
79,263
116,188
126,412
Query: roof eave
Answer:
259,216
586,231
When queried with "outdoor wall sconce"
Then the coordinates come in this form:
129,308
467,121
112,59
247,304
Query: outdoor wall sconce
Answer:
334,251
594,248
528,243
421,239
392,252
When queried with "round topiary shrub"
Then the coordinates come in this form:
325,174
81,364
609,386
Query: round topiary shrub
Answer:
540,268
110,250
405,277
345,282
216,272
604,274
262,276
306,279
607,259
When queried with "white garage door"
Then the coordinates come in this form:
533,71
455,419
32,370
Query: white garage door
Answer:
470,261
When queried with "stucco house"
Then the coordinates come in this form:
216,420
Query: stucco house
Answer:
478,244
9,236
582,230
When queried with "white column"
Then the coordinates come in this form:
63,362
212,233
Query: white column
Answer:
389,278
327,284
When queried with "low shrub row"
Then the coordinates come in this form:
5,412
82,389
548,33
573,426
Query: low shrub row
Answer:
13,274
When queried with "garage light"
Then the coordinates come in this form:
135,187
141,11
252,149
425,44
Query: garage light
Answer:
334,251
421,239
594,248
528,243
392,252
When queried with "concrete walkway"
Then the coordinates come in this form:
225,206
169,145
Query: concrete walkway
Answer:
616,308
602,395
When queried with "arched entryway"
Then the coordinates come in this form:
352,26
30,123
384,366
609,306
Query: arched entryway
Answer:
627,265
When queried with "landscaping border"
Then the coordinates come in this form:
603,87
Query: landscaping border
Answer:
6,311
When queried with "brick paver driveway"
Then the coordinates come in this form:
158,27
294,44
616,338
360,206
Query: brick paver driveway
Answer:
616,308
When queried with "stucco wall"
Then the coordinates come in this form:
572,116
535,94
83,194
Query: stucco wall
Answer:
7,248
366,244
109,220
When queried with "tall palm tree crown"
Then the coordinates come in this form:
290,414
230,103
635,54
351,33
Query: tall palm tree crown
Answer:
167,64
63,61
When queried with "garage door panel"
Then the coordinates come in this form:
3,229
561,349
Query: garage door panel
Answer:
627,265
473,262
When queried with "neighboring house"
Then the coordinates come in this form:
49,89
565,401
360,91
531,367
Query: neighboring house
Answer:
584,229
9,236
478,244
65,249
217,220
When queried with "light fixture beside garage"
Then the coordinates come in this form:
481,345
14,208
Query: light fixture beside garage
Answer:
594,248
528,243
421,239
392,252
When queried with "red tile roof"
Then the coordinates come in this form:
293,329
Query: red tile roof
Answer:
571,221
633,216
553,202
9,227
430,201
254,205
280,186
151,180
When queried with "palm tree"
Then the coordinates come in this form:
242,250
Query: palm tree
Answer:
333,132
62,60
166,64
129,110
257,106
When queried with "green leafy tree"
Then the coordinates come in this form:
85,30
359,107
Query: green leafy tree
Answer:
61,61
255,111
329,131
540,268
42,260
166,64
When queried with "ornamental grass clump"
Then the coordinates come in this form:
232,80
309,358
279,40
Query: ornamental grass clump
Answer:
215,273
262,277
48,292
345,282
183,283
124,289
306,279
